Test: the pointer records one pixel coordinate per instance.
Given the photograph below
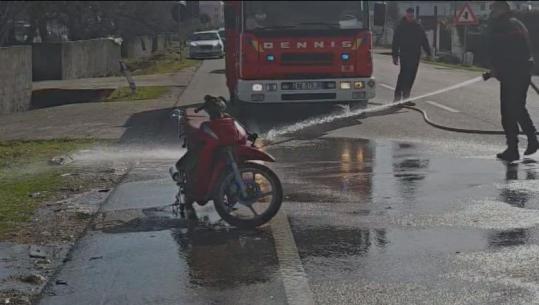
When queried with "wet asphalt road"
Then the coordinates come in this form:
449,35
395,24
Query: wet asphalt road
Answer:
384,210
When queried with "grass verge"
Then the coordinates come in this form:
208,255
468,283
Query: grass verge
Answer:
168,62
142,93
26,178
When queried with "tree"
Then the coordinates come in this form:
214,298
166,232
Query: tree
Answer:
10,11
88,19
205,19
93,19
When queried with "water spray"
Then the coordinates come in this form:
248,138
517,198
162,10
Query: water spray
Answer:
272,134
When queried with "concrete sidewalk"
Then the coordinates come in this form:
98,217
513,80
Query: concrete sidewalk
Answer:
103,120
209,79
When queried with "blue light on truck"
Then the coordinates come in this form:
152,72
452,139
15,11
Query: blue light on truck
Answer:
345,56
270,58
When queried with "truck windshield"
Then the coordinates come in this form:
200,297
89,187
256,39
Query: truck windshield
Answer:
204,36
279,15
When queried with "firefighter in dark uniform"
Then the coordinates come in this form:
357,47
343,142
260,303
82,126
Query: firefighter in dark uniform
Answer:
511,62
408,39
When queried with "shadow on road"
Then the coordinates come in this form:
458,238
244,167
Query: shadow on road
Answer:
153,127
219,71
57,97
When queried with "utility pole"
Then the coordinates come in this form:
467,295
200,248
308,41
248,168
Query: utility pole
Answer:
179,18
435,32
181,6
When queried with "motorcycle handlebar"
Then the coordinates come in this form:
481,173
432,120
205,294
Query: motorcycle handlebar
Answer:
199,109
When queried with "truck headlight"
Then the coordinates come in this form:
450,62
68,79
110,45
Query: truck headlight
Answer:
346,85
257,87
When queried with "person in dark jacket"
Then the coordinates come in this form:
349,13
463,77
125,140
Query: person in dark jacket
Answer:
511,63
408,40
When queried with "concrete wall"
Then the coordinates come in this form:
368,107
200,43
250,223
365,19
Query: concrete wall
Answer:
75,59
137,47
160,43
46,61
15,79
90,58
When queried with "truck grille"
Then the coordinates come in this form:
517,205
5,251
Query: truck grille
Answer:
307,76
308,96
205,47
307,58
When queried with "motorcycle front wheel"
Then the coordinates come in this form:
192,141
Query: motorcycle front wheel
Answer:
264,196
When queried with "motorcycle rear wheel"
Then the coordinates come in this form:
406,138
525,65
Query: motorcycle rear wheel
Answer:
247,214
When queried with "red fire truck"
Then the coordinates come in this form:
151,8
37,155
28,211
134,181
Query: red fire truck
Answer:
298,51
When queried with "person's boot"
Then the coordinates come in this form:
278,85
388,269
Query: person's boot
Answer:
533,145
510,154
409,103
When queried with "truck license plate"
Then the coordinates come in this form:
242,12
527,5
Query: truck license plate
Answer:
301,86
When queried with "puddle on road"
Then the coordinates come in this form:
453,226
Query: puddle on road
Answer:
218,256
355,207
364,207
227,258
407,174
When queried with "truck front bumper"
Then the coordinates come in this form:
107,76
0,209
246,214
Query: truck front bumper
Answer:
295,91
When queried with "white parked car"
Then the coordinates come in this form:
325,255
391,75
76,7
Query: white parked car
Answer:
222,35
207,44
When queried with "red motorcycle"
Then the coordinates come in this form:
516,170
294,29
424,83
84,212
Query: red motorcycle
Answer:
223,164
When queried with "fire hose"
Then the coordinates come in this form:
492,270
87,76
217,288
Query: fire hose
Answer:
427,120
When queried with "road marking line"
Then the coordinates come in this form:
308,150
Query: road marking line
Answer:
387,86
296,285
443,107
